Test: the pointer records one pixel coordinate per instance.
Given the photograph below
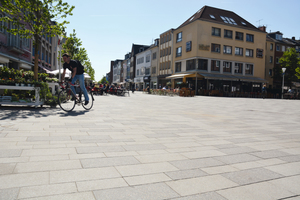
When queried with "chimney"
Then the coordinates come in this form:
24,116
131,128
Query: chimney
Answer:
262,28
293,38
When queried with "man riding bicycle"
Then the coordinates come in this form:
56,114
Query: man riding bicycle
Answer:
77,74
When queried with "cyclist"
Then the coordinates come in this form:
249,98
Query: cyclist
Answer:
77,73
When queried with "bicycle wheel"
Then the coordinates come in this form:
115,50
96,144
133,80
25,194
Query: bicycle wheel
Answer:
91,102
64,100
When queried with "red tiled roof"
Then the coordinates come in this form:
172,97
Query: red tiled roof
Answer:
212,14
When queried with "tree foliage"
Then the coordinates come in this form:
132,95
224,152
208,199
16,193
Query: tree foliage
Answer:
291,61
72,46
103,80
35,18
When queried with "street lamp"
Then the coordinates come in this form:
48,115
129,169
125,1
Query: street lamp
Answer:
283,72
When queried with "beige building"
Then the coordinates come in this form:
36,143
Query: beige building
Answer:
155,61
165,57
218,50
270,53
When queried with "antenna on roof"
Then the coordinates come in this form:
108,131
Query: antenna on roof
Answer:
259,22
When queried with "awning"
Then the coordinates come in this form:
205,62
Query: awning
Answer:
175,76
46,69
227,77
4,60
25,66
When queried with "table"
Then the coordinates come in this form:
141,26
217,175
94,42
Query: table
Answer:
37,96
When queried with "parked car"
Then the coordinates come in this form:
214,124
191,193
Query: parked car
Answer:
290,94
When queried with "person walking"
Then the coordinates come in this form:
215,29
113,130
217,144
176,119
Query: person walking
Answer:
77,74
264,91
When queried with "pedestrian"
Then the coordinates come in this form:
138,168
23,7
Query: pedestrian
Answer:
264,91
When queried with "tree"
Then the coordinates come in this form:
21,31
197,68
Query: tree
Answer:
291,61
72,46
103,80
35,18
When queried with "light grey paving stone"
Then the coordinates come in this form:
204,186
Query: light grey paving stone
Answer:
106,162
47,152
264,190
294,158
146,179
243,140
251,176
47,190
7,168
205,196
145,192
238,158
287,169
72,196
100,184
91,137
289,183
143,147
237,150
6,153
21,180
196,163
200,185
65,176
49,138
9,194
102,149
270,154
183,174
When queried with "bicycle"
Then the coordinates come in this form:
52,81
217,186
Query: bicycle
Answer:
66,100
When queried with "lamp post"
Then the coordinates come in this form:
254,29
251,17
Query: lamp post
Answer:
283,72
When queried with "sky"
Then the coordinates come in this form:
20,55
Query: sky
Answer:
108,29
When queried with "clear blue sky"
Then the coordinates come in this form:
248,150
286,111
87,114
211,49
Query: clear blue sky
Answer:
108,28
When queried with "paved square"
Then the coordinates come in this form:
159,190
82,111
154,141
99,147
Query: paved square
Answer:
152,147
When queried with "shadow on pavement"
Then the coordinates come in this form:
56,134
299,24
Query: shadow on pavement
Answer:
22,112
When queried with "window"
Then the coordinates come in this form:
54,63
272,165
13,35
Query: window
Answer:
189,46
277,48
249,69
32,51
179,37
249,38
238,51
278,37
228,20
249,52
169,65
215,48
270,72
140,60
271,46
202,64
190,64
216,31
215,65
239,36
178,51
277,60
153,70
138,72
212,16
169,50
227,33
227,49
238,68
259,53
154,56
148,58
227,67
1,24
147,71
244,23
283,48
178,67
271,59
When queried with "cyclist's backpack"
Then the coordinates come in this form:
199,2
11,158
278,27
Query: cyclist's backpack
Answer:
80,68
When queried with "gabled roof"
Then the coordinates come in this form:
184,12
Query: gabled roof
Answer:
136,48
217,15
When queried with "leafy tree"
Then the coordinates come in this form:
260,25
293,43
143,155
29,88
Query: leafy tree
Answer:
103,80
35,18
291,61
72,46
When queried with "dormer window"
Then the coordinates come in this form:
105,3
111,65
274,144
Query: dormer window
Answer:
278,37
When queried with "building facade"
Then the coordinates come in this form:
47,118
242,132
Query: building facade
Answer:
166,57
218,50
154,64
117,71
